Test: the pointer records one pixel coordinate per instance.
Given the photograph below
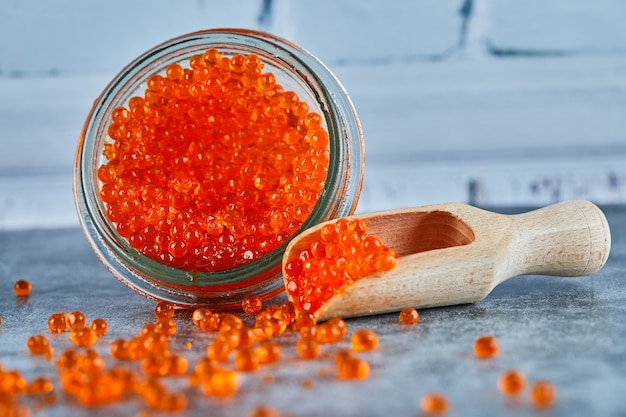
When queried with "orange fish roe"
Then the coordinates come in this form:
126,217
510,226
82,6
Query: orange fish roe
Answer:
331,331
251,304
263,411
163,309
156,395
38,344
343,253
56,322
21,287
215,166
364,339
434,403
308,348
75,320
246,360
164,364
40,385
166,326
511,382
220,382
408,315
12,382
119,349
99,326
485,347
350,367
219,349
268,352
542,394
304,320
85,336
199,315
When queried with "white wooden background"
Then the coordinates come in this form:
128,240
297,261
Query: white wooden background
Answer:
528,107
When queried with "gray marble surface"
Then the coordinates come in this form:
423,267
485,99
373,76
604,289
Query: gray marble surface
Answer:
570,331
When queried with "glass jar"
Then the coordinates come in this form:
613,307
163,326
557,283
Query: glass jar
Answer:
296,70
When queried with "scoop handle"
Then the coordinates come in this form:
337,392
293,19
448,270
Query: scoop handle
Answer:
571,238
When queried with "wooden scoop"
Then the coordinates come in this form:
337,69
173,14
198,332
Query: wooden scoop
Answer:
455,253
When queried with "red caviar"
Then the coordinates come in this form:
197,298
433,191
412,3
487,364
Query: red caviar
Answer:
75,320
408,315
220,382
164,309
268,352
85,336
308,348
263,411
200,315
343,253
21,287
542,394
485,347
214,166
434,403
38,344
364,339
99,326
39,385
350,367
56,322
511,382
251,304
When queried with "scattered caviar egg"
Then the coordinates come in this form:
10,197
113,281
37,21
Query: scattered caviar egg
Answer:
90,361
542,394
99,326
268,352
164,309
219,349
351,367
56,322
246,360
199,315
38,344
342,253
263,411
213,166
220,383
40,385
304,320
364,339
511,382
67,359
22,287
12,382
485,347
408,315
434,403
251,304
75,320
328,332
338,325
84,336
119,349
166,326
308,348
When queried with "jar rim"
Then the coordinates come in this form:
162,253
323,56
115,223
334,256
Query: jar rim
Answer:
338,197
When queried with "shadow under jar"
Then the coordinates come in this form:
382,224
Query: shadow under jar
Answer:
205,156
